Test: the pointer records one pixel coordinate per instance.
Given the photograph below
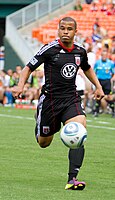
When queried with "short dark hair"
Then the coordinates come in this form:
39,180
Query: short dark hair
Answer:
68,19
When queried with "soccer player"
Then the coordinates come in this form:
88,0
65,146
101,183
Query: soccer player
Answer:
59,101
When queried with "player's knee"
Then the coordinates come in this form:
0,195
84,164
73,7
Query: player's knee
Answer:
43,144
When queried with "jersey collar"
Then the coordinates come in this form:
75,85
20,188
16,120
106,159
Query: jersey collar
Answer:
68,49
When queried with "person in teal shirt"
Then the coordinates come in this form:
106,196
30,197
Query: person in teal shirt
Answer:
105,71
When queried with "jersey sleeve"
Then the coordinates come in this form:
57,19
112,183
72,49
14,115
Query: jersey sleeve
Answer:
84,64
37,60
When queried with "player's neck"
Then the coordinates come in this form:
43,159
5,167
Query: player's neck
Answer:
68,46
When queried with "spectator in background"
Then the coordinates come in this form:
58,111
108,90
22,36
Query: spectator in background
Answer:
87,42
98,50
80,83
98,29
1,90
112,50
12,81
97,35
2,55
105,71
113,45
88,1
15,77
35,85
106,40
5,79
18,69
111,10
94,7
79,38
91,55
96,24
103,7
78,6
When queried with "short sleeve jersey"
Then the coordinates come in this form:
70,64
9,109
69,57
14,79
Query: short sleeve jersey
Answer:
104,69
60,67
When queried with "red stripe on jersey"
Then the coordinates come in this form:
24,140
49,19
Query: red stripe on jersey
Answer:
77,105
68,49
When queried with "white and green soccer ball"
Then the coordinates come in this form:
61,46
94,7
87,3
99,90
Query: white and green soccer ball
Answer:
73,135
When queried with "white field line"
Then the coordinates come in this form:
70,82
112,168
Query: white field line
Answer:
16,117
101,127
99,122
88,125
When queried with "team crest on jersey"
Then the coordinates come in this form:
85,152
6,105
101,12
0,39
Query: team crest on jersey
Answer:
77,60
68,71
46,129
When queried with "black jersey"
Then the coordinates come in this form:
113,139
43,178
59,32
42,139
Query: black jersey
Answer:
60,67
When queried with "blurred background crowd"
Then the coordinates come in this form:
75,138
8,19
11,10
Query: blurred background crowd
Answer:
100,47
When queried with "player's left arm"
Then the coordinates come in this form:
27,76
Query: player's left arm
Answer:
90,74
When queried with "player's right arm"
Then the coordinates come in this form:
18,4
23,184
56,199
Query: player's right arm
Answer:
24,75
35,62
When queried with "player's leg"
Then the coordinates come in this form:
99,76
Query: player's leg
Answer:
44,141
104,104
75,113
97,107
79,118
47,123
76,157
44,134
98,102
111,101
108,95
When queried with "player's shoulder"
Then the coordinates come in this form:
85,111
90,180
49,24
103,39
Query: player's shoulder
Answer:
97,63
47,47
110,61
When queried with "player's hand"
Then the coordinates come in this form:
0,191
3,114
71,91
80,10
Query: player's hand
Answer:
17,92
98,94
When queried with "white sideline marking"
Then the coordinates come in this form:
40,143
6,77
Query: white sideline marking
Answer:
32,118
99,122
17,117
103,127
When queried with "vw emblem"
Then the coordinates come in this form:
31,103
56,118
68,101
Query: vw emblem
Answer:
68,71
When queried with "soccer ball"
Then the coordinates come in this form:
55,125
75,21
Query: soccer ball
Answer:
73,135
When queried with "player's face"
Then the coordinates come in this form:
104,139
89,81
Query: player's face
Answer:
67,32
104,55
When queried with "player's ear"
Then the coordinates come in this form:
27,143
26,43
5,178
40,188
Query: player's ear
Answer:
58,32
76,31
58,29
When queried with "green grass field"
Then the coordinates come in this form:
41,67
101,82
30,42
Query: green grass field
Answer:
28,172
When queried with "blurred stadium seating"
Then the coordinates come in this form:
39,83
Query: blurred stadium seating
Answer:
37,23
85,20
20,24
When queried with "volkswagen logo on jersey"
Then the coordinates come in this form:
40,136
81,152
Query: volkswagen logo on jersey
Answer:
68,71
